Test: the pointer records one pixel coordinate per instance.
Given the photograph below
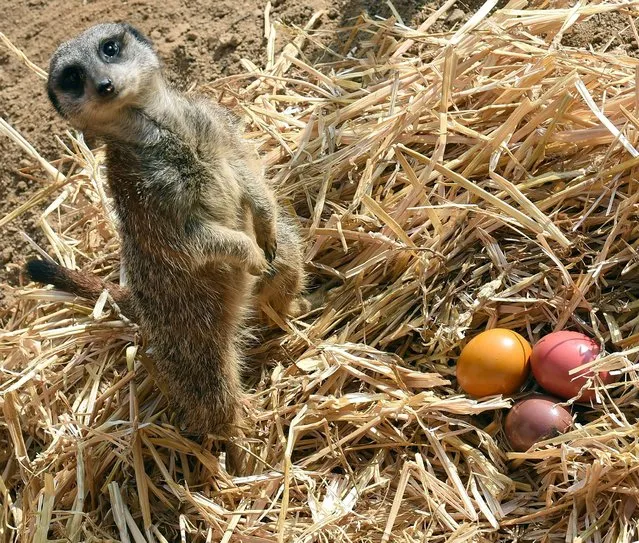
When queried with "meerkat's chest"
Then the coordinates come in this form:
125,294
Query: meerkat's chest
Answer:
163,187
173,166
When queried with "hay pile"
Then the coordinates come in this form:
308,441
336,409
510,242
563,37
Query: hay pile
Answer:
447,183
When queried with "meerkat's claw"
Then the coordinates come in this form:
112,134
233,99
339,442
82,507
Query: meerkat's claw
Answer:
268,243
270,251
271,272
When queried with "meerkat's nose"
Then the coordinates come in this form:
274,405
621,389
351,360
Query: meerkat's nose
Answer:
105,87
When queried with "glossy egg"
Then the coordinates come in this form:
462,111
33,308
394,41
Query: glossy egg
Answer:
493,362
534,419
556,354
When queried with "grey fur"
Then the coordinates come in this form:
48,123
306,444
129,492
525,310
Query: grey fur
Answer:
198,221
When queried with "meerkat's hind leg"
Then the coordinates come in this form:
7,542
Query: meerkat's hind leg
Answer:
229,432
317,297
281,293
283,288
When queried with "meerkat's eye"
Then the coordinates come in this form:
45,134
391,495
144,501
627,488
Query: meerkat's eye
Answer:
72,79
111,48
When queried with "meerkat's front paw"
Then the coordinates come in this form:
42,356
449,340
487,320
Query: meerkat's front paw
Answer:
268,243
258,265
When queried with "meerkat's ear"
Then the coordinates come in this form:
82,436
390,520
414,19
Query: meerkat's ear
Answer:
137,34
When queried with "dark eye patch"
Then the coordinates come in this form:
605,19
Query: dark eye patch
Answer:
72,80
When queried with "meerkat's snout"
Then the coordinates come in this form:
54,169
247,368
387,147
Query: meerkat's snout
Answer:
105,87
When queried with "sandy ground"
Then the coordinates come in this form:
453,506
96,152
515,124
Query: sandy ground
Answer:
198,41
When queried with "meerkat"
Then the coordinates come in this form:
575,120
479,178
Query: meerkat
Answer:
202,236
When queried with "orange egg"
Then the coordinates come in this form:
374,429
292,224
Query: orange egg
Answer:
494,362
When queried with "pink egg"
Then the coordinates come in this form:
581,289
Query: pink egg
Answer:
556,354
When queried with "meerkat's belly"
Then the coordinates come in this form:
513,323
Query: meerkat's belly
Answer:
160,190
208,288
207,300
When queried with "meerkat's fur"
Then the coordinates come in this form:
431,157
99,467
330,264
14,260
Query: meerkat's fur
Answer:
203,238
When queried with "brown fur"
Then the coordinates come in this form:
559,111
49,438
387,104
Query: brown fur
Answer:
198,222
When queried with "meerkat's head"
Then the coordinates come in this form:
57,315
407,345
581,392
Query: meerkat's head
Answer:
106,68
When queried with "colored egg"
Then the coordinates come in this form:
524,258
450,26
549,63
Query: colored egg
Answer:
493,362
556,354
534,419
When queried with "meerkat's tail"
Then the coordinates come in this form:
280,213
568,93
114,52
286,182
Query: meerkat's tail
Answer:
82,284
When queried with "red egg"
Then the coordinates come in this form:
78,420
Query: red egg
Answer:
534,419
556,354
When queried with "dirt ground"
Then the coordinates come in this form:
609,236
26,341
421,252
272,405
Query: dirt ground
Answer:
198,40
